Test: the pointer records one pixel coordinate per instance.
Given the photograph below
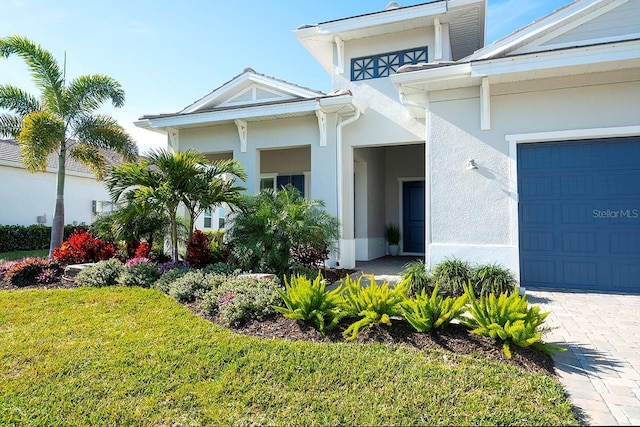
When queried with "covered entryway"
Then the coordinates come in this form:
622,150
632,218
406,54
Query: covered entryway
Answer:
579,214
413,217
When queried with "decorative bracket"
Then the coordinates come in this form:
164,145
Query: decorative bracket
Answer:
438,39
242,133
322,126
340,55
174,138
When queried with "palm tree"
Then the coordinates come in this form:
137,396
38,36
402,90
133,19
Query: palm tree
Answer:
62,121
166,179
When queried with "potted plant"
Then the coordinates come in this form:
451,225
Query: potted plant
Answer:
392,234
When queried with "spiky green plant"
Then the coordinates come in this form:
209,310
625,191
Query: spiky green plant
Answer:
375,304
493,279
418,276
452,274
508,318
425,313
307,300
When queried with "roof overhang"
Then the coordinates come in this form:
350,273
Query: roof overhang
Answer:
342,104
565,62
319,39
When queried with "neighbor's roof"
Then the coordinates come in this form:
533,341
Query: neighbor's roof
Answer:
10,153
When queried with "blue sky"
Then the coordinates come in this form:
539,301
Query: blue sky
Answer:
167,54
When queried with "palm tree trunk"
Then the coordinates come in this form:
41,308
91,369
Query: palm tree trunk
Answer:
57,228
174,238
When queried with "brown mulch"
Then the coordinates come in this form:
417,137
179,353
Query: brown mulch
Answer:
454,338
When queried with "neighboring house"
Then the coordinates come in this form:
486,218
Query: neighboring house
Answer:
29,198
550,115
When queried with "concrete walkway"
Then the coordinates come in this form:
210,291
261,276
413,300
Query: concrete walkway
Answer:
600,370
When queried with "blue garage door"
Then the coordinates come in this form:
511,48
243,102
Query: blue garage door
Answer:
579,214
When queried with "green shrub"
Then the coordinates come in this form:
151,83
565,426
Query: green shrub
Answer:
307,300
222,268
508,318
238,299
189,287
375,303
493,279
32,237
166,279
143,275
452,275
104,273
418,276
425,313
32,271
277,227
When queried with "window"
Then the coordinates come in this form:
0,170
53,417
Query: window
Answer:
268,182
275,182
207,218
383,65
221,216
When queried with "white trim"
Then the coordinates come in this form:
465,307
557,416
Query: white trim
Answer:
277,96
549,136
438,39
485,104
268,176
307,184
242,134
428,238
339,69
538,43
173,139
322,127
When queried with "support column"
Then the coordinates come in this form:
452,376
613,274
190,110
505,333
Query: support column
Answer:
428,140
250,159
347,240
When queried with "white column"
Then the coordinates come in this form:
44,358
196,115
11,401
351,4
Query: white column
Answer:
427,187
347,239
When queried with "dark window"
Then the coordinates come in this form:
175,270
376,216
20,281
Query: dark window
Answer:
385,64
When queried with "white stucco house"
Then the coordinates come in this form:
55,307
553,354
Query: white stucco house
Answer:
29,198
525,152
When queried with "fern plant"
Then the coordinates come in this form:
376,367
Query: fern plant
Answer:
425,313
375,304
307,300
508,318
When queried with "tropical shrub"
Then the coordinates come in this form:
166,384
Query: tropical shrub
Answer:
33,271
198,250
167,266
493,279
82,247
6,265
222,268
103,273
425,313
508,318
307,300
238,299
143,250
217,246
275,226
143,274
375,304
418,276
452,275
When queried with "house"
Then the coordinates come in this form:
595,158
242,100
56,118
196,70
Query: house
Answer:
29,198
524,152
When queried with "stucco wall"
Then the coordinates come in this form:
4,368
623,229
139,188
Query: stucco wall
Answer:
28,195
471,210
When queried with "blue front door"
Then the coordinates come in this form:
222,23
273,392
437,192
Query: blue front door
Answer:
413,217
579,214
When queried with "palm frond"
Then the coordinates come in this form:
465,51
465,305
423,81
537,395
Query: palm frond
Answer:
43,67
102,131
91,157
17,100
41,135
10,125
87,93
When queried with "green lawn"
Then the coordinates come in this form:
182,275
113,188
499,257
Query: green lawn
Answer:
130,356
10,256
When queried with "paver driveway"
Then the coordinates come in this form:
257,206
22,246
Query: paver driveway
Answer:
601,368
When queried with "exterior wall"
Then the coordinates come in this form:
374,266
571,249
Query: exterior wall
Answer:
289,161
472,211
29,195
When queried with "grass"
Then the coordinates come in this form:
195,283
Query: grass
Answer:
131,356
10,256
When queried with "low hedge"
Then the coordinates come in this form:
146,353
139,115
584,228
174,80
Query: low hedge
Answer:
31,237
